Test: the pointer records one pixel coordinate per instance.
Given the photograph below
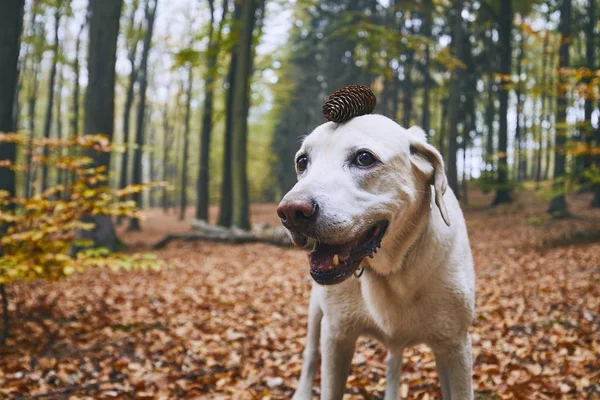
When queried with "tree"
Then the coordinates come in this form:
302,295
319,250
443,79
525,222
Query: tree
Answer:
543,131
51,83
150,13
226,202
427,79
186,141
457,42
167,146
100,96
11,22
241,104
558,204
38,44
132,38
589,107
214,47
505,38
520,139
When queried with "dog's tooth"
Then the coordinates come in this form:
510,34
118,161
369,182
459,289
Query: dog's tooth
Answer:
336,259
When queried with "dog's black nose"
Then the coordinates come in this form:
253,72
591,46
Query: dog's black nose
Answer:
297,215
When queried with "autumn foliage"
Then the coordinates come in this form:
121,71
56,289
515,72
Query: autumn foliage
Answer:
42,230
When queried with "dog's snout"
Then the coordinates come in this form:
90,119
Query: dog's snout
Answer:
298,214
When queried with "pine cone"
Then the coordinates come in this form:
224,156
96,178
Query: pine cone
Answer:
349,102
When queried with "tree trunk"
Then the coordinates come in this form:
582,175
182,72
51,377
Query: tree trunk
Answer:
241,100
214,45
167,143
505,34
134,224
61,172
490,113
558,204
100,95
543,130
226,203
133,76
31,111
75,118
589,106
427,80
518,128
550,111
186,145
50,104
11,21
454,110
407,96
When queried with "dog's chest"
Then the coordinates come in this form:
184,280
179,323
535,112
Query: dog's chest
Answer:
400,317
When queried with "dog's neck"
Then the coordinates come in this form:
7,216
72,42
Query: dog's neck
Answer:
405,236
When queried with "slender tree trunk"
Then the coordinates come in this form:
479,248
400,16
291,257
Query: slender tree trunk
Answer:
505,32
457,41
61,172
550,112
427,80
407,97
203,198
100,98
50,104
186,145
558,204
518,159
31,111
543,130
134,224
226,203
75,118
167,144
133,76
11,21
490,113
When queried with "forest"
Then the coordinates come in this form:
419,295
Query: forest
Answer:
144,145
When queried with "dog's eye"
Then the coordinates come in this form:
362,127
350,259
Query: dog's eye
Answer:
364,159
301,163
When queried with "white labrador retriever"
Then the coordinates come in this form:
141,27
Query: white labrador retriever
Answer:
370,184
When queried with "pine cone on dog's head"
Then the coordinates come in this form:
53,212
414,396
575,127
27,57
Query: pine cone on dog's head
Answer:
349,102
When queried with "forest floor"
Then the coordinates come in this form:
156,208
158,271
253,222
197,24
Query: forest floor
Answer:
228,321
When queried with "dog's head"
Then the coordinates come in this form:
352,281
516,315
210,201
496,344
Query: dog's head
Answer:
357,181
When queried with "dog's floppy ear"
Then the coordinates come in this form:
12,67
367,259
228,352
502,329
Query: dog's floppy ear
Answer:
428,161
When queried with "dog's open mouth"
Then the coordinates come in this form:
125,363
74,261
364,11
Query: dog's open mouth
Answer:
333,263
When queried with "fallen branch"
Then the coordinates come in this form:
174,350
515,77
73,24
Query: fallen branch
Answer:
274,237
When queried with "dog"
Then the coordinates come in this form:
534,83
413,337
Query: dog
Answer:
373,198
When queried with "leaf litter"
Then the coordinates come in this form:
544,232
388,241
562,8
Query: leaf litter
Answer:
229,321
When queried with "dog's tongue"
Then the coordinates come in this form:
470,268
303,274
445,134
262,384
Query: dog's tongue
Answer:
322,256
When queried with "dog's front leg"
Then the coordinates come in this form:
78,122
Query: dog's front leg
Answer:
393,371
337,348
454,364
311,350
